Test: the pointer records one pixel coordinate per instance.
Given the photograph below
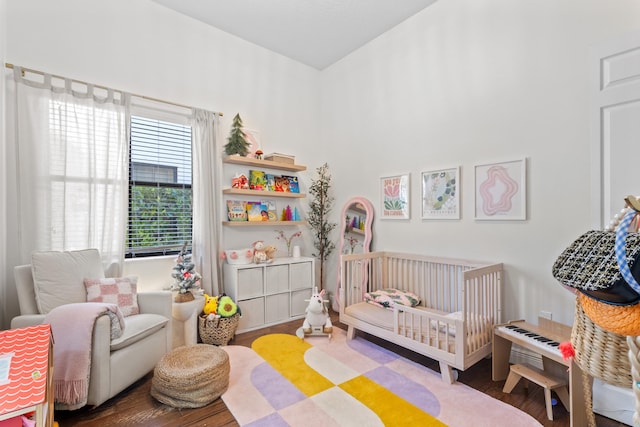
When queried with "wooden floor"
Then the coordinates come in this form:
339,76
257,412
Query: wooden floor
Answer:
136,407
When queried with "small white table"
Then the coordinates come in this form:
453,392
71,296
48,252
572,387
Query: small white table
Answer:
185,321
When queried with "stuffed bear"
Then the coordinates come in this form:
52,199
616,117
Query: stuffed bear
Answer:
270,251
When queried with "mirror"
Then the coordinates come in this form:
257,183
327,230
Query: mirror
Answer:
357,217
356,236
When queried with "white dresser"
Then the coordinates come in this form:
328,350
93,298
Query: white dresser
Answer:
270,293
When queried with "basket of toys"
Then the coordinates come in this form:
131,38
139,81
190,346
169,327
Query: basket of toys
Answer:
219,320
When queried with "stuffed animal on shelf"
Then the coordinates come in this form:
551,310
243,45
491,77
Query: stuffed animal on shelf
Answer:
226,306
317,319
270,251
259,252
210,305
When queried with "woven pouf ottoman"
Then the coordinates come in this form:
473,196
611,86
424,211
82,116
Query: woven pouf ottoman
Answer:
191,376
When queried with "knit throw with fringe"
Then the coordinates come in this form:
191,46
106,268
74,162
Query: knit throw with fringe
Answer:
72,328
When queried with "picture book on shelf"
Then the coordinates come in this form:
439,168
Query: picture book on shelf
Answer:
256,211
257,180
282,184
271,182
236,210
271,209
293,183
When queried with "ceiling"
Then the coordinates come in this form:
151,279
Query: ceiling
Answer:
314,32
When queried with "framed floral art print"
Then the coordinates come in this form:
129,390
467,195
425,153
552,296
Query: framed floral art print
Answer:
394,197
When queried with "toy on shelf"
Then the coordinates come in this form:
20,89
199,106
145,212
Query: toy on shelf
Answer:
317,321
260,253
270,251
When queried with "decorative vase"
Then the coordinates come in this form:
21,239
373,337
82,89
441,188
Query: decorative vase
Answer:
184,297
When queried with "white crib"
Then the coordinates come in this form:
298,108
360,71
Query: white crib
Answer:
460,302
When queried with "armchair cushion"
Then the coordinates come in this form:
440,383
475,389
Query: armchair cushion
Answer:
138,327
58,276
121,291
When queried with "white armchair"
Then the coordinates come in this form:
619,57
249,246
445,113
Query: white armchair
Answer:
117,363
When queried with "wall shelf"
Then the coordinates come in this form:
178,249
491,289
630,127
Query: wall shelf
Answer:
260,193
261,223
239,160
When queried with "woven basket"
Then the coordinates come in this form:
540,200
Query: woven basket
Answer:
191,376
622,320
599,353
219,330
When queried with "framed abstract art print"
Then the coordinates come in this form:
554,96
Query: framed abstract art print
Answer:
441,194
501,191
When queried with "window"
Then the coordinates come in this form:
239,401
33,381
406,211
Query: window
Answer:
160,213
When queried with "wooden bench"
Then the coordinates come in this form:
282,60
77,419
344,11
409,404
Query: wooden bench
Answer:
543,379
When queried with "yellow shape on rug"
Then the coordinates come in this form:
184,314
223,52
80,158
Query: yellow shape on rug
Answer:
387,405
286,354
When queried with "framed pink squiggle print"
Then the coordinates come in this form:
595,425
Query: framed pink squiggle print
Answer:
501,191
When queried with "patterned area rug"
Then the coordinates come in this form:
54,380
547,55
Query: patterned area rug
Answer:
285,381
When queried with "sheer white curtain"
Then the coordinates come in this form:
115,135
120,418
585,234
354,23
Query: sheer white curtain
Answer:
206,223
71,157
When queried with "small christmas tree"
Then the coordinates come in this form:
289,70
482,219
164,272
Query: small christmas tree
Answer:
184,276
237,141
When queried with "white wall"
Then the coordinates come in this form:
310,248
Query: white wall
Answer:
463,82
467,82
147,49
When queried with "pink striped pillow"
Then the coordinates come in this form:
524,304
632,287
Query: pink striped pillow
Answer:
121,291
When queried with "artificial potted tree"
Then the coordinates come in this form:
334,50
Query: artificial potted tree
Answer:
318,217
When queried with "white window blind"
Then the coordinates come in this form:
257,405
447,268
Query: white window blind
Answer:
160,198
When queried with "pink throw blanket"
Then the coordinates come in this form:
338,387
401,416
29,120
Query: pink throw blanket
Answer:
72,328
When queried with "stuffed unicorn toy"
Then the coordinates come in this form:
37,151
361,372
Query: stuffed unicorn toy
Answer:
317,319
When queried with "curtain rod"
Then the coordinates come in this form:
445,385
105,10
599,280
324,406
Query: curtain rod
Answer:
149,98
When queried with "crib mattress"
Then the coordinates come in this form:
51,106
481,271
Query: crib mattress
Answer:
374,315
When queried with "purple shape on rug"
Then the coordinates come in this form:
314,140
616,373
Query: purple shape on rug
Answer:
271,420
409,390
275,388
372,351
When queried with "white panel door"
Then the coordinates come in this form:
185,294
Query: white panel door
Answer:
615,126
